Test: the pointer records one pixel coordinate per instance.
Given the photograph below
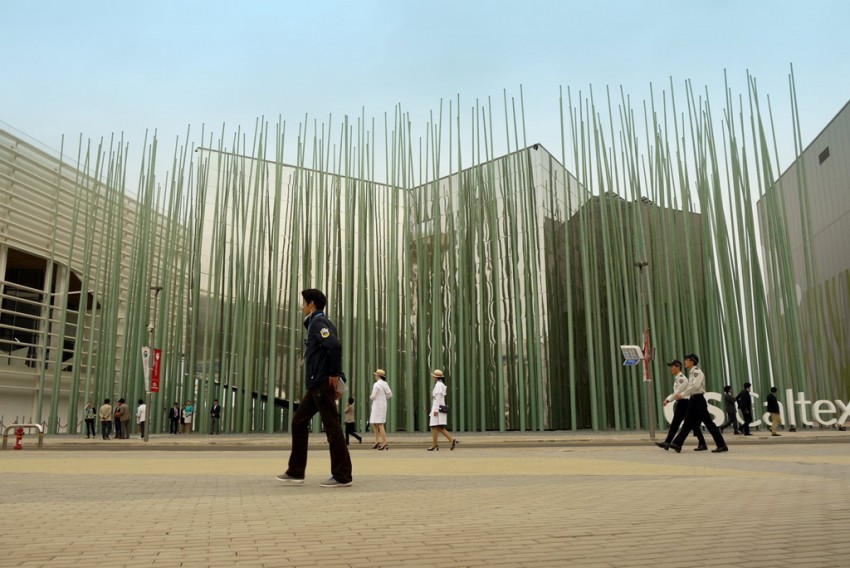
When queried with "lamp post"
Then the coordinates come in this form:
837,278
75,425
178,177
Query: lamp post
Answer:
148,409
647,352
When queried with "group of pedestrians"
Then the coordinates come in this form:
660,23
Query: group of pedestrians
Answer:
118,417
180,419
691,410
323,373
381,393
744,402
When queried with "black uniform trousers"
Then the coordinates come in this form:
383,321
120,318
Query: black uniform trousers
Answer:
698,414
321,399
680,411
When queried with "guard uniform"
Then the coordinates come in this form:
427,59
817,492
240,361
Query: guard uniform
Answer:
697,410
680,410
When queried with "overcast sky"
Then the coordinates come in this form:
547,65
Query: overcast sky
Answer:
96,68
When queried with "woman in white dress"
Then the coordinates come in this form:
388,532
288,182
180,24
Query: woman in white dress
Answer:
378,418
439,414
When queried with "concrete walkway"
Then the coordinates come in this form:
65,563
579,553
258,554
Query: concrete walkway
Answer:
548,499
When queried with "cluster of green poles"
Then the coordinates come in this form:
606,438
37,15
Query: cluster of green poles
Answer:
516,274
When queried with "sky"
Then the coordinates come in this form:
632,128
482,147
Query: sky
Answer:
95,68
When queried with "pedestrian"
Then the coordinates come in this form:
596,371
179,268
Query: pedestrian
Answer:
105,419
745,403
680,410
174,419
773,409
729,408
116,418
126,414
141,416
215,416
439,411
188,411
89,414
322,369
350,423
381,393
697,408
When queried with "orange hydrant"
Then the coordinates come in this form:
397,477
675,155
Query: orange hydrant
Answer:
19,434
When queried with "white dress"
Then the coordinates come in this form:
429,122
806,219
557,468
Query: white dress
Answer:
438,398
380,394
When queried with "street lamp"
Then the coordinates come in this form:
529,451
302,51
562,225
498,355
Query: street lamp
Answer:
647,352
148,409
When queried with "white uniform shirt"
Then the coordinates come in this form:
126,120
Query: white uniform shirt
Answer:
141,413
696,383
679,384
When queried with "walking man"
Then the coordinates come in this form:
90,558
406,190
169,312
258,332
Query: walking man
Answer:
729,407
697,408
322,368
745,403
680,410
215,416
773,409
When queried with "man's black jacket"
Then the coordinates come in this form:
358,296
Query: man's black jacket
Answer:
323,350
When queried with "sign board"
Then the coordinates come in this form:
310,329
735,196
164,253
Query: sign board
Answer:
157,356
632,352
146,365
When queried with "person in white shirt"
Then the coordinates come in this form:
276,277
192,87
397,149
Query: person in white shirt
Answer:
381,393
439,411
680,410
141,416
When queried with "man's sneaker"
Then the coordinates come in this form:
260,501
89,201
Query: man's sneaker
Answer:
284,478
331,482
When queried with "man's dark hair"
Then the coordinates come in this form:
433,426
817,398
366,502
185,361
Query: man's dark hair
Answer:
105,401
314,296
141,401
727,388
350,400
772,389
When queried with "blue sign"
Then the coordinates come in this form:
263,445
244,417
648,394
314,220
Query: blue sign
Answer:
630,362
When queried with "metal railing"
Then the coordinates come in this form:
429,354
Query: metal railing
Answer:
38,427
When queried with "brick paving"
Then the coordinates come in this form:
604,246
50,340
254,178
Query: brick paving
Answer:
535,500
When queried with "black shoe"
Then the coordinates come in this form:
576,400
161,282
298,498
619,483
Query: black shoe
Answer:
720,449
700,448
776,434
663,445
677,448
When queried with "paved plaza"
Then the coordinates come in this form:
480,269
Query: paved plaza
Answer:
496,501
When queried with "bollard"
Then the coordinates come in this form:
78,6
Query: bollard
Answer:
19,435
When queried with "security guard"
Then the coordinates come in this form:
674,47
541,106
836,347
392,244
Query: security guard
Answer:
680,410
697,408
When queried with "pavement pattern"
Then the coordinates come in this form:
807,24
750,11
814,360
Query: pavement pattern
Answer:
491,502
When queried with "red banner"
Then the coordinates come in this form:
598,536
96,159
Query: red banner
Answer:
157,356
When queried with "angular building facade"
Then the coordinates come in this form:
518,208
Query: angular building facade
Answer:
805,222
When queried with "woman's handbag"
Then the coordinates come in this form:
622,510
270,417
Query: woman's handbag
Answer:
443,408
